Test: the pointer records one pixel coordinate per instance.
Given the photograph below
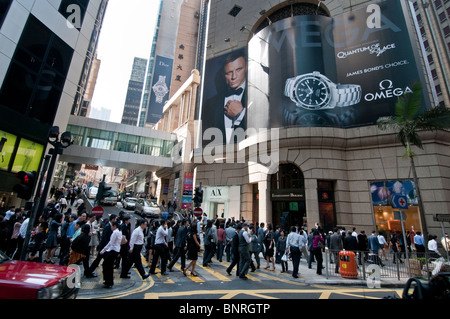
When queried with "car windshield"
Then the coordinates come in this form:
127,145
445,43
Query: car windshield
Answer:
113,193
131,200
151,204
3,257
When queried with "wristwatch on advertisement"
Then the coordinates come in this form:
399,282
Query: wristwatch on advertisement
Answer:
314,91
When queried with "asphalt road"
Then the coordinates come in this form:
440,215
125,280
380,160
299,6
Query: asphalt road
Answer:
213,283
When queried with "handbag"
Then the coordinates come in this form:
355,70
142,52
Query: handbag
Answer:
285,257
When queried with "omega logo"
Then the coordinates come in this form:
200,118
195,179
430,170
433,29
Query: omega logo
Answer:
386,91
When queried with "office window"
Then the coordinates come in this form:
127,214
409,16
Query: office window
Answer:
36,76
4,6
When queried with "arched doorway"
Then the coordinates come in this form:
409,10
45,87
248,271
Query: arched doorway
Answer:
288,196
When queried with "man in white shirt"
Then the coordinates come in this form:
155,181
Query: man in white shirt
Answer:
10,212
161,248
433,248
294,245
110,252
136,244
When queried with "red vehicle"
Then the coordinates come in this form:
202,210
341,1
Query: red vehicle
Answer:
30,280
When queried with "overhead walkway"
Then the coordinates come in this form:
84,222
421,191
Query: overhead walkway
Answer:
110,144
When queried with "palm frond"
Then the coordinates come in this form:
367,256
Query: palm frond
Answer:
437,118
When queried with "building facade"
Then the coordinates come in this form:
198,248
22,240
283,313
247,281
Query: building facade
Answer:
44,48
134,92
303,162
172,58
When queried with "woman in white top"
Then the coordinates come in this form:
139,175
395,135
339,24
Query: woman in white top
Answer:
111,251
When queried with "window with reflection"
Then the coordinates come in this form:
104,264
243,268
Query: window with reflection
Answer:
288,176
34,81
4,6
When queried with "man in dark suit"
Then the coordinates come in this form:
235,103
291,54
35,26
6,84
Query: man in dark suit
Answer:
227,110
180,246
350,242
335,247
235,251
106,236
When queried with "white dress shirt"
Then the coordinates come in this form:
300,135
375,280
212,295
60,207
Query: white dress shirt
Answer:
137,237
295,240
114,242
24,228
161,236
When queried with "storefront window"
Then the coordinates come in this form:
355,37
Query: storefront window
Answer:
386,219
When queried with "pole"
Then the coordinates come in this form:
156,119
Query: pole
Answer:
446,244
54,154
405,242
34,212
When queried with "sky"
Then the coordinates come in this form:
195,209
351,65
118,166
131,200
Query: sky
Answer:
127,32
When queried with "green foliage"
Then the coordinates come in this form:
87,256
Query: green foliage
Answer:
407,121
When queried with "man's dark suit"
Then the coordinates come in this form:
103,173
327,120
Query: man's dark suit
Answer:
106,236
180,243
235,251
213,115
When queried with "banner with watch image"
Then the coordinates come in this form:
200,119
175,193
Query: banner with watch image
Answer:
313,70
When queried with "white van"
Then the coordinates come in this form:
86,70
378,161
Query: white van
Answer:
92,193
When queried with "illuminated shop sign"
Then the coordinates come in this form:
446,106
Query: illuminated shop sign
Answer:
7,143
28,157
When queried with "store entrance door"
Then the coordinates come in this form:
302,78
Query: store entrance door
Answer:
287,214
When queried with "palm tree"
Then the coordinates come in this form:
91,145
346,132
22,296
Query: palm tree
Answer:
407,122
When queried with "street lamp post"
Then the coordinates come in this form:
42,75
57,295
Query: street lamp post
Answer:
59,145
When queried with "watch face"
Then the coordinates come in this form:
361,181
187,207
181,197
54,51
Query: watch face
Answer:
312,92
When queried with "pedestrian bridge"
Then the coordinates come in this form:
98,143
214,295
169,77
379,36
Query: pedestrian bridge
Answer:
111,144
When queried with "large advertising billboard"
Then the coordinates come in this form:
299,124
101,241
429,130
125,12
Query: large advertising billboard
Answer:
225,96
313,70
162,78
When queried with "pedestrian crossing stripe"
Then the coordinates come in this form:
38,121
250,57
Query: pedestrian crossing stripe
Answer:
193,278
215,273
165,279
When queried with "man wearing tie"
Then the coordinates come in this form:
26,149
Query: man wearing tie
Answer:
227,111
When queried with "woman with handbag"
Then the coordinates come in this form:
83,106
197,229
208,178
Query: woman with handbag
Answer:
281,252
317,245
193,247
269,243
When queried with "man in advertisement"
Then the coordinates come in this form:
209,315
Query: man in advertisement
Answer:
226,111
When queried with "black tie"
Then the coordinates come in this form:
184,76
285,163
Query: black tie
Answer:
231,92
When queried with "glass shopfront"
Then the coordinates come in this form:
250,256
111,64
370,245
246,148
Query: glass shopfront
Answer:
386,218
288,197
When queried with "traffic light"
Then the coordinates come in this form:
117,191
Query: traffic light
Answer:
102,192
24,190
198,197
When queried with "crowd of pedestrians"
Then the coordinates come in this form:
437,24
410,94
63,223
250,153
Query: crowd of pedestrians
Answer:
114,243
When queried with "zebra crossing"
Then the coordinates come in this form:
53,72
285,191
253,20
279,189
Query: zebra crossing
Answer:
216,272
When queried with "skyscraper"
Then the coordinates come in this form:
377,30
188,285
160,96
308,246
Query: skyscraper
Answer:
172,57
134,92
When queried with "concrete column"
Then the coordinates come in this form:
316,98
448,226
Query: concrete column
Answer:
312,202
265,204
